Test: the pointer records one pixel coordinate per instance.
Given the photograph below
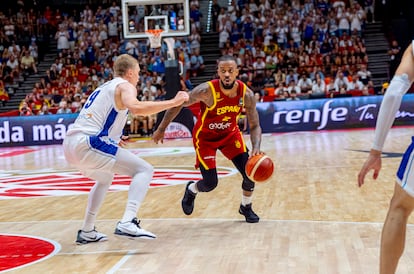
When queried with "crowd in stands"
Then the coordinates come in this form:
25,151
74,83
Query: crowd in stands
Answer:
88,42
286,50
310,48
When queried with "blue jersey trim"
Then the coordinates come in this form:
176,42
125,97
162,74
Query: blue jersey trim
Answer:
108,123
96,143
404,162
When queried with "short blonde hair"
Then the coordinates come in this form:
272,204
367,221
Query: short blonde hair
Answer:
123,63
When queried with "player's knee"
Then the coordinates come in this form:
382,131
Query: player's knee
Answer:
149,169
207,185
247,185
144,169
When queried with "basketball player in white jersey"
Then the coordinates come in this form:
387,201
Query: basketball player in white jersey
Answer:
402,202
93,145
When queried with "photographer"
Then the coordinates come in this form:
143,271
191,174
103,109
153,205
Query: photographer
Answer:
25,110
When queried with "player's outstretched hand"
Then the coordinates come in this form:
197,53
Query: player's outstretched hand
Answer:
373,162
181,97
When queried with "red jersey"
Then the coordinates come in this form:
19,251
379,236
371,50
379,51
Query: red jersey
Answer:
217,128
221,118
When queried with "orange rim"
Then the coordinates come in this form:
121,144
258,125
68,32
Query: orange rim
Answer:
155,32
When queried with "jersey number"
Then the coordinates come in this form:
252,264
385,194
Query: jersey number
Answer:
92,97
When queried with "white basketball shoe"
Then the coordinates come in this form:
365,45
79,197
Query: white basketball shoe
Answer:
133,229
93,236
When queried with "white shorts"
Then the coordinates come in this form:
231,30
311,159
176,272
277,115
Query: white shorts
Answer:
99,158
405,173
90,153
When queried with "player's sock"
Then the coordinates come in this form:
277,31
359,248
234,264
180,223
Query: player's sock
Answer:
193,188
246,200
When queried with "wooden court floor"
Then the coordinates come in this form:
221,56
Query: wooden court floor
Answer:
314,218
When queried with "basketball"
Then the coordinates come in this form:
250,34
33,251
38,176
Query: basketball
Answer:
259,168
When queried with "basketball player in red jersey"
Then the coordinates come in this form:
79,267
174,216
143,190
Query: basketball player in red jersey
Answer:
221,102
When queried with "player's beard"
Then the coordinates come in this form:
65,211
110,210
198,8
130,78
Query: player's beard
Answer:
230,86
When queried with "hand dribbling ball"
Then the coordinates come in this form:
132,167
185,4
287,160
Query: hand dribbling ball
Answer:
259,168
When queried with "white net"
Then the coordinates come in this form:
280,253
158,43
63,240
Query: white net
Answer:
154,37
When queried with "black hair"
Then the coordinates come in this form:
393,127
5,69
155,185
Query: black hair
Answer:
225,58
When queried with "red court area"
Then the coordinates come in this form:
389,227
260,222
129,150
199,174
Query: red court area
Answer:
17,251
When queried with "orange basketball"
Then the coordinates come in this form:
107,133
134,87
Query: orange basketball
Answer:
259,168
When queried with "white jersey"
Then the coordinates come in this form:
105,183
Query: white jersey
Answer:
99,116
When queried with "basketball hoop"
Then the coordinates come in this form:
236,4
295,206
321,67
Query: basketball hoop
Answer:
154,36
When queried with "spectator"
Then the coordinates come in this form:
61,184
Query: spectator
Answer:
9,29
25,110
369,10
394,54
4,96
131,47
194,40
248,28
293,96
318,86
223,38
365,91
13,66
197,64
343,16
341,82
365,76
62,37
280,77
34,51
63,108
292,76
44,110
113,29
114,9
15,49
356,18
28,63
355,84
215,11
269,80
195,17
293,87
305,83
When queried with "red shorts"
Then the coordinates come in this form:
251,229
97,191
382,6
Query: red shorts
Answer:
231,145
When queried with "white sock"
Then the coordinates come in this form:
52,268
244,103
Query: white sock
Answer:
246,200
89,223
193,187
95,200
136,194
130,211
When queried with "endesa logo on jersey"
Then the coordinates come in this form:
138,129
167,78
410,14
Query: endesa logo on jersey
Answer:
219,126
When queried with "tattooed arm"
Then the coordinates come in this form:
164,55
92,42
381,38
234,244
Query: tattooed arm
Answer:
253,120
200,93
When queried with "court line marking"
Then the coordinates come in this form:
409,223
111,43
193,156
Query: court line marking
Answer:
120,263
132,251
208,219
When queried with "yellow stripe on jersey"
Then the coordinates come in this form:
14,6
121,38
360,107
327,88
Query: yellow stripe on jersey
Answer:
213,90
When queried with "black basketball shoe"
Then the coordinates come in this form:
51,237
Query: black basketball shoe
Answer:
248,213
187,202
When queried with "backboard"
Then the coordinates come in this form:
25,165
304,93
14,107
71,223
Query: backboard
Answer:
173,16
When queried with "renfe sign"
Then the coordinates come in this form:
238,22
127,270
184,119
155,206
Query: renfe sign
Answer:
281,116
321,114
